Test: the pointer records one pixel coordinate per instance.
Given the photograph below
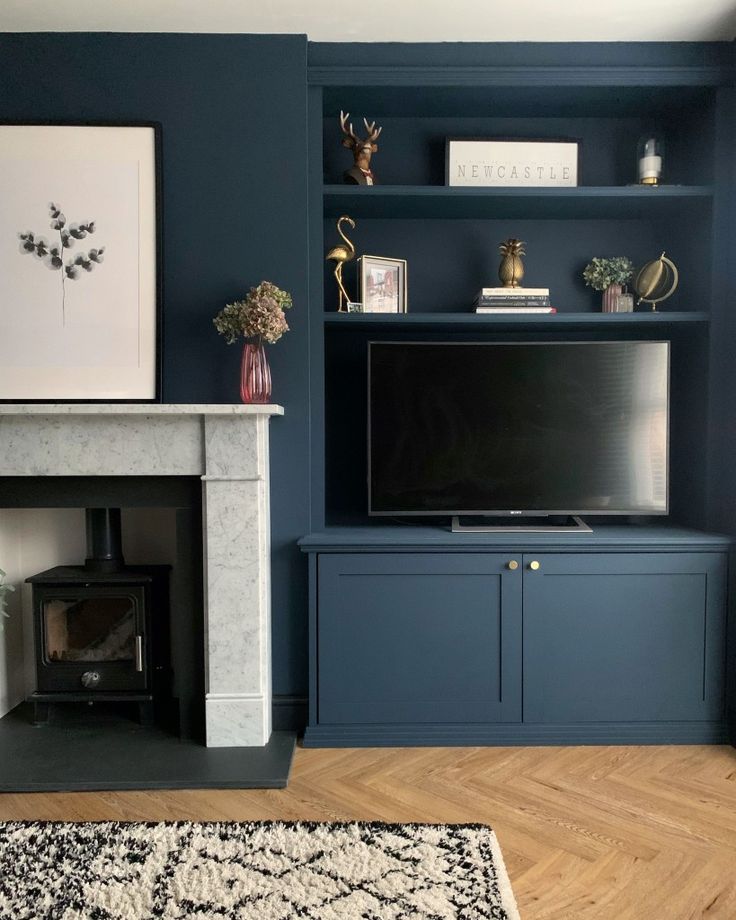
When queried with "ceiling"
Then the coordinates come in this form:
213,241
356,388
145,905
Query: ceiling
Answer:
389,20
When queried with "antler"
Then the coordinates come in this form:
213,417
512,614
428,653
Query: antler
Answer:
347,130
371,129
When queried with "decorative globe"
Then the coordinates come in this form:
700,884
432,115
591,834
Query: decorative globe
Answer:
656,281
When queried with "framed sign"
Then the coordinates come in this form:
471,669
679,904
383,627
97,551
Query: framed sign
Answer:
382,284
511,162
79,245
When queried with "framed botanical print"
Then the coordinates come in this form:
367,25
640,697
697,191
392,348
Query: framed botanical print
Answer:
79,263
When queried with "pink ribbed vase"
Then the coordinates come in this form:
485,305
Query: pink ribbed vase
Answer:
255,374
610,298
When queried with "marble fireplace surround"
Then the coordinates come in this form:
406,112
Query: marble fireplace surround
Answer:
227,446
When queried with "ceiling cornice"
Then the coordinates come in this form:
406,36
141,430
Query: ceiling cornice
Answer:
526,75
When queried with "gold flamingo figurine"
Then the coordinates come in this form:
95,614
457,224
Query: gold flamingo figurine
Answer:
340,255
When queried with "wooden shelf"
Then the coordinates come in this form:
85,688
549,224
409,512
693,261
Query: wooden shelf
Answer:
417,201
545,321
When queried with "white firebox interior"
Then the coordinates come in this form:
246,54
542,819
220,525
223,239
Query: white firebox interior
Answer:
227,446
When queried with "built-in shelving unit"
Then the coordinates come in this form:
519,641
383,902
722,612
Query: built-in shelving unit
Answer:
449,235
629,645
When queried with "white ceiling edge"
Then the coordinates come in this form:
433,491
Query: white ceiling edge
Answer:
388,20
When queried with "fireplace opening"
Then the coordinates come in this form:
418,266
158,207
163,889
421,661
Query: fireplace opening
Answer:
101,629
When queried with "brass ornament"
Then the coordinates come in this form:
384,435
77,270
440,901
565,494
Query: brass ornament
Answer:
340,254
656,281
363,149
511,269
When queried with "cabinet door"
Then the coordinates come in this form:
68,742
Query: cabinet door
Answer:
624,637
430,637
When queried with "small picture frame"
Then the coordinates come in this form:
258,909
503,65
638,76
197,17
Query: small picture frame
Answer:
382,284
512,162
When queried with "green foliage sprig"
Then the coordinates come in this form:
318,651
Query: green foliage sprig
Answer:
599,273
4,589
259,315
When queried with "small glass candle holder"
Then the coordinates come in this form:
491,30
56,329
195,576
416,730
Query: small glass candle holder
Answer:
650,156
624,302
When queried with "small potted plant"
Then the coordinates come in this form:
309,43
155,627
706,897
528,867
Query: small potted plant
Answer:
4,589
608,276
259,318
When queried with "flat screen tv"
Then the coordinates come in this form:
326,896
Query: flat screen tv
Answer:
501,429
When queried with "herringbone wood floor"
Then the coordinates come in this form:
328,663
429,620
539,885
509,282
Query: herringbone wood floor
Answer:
631,833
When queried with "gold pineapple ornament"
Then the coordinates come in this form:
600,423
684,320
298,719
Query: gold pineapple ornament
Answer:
511,269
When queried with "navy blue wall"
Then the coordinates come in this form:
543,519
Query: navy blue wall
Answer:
233,115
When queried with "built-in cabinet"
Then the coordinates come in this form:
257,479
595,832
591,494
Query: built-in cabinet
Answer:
517,644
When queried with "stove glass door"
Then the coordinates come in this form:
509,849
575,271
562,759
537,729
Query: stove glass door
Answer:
89,629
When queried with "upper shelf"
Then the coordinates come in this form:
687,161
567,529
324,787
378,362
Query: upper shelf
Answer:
421,201
542,321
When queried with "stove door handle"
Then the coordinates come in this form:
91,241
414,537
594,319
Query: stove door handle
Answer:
139,653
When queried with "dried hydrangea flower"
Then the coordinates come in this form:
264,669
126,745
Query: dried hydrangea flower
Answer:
260,315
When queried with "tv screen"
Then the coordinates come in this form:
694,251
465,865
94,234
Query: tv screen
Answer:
518,428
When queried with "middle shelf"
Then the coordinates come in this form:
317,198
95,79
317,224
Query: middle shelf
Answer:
439,201
546,321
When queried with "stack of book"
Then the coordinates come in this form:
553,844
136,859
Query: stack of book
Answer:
513,300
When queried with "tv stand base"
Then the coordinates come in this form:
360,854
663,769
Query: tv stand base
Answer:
523,638
574,524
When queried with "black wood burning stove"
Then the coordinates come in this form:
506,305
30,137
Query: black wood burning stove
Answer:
101,629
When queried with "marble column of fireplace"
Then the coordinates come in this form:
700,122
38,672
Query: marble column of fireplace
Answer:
227,446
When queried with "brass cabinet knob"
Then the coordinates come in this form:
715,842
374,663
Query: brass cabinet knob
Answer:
513,565
534,565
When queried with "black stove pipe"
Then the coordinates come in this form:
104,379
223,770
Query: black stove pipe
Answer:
104,540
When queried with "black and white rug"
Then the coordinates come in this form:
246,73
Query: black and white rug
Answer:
252,871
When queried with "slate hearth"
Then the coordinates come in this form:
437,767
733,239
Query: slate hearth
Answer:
109,752
210,463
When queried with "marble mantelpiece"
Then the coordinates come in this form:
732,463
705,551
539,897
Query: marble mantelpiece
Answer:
227,446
